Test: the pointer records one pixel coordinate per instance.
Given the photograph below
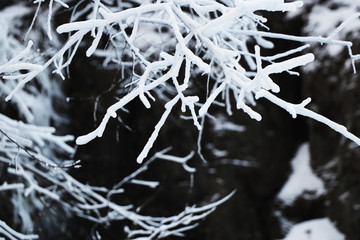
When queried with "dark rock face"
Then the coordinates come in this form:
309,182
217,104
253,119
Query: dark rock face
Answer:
334,89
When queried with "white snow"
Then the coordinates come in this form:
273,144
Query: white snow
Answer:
219,153
223,124
302,181
336,20
316,229
316,25
147,36
346,9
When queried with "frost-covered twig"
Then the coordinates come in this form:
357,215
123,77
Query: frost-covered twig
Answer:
24,136
6,187
222,39
86,201
14,235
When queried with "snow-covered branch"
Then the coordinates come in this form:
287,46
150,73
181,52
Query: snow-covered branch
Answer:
200,38
161,48
196,39
14,235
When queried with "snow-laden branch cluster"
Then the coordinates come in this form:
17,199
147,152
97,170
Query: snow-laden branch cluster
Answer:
162,48
41,176
30,153
19,65
202,37
18,138
94,203
13,235
51,180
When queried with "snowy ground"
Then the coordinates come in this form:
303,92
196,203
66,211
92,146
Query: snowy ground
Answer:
302,182
317,229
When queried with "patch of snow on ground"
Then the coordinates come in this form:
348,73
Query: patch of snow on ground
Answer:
334,17
302,179
316,229
324,17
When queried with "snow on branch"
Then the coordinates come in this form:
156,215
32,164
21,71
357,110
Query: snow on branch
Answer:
18,144
25,135
14,235
86,201
23,147
197,39
200,39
